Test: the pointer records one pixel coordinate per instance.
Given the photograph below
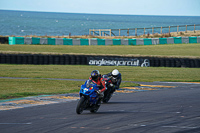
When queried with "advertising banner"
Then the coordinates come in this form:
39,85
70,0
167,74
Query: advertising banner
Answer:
112,61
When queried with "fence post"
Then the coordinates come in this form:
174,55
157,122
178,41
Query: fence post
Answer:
135,31
161,30
128,32
194,28
152,30
99,32
169,29
90,32
119,32
144,31
186,29
177,29
93,32
110,32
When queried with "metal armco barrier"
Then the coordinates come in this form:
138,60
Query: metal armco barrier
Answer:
39,59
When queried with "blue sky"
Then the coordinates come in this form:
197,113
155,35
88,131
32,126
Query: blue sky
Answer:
129,7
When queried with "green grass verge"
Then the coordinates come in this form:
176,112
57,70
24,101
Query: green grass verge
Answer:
146,74
15,88
12,88
180,50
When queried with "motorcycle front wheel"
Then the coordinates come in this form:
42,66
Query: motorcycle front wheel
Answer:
95,109
107,96
80,105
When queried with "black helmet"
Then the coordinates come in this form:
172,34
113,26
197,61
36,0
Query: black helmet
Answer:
95,75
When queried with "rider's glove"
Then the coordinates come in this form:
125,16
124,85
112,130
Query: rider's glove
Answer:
111,85
100,93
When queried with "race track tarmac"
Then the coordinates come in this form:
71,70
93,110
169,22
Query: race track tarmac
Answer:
174,108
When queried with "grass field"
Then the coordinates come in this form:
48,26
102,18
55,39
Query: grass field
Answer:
178,50
83,72
11,88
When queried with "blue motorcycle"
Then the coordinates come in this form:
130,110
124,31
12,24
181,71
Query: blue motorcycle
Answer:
89,98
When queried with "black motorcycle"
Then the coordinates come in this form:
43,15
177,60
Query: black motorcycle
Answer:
110,89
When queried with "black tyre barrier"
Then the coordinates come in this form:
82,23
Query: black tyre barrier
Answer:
78,60
62,60
162,62
167,62
13,59
2,58
50,61
177,63
72,59
35,59
56,59
157,62
39,59
30,59
152,62
46,60
66,59
3,40
172,63
197,63
83,60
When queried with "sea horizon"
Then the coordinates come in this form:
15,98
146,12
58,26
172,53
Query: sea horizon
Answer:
100,13
18,22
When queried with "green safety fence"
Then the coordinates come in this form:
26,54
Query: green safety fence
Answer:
35,40
11,40
16,40
192,39
177,40
67,41
147,41
132,42
100,41
51,41
162,40
84,42
116,41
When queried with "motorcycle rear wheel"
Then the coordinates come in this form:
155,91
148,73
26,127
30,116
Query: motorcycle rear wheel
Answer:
80,105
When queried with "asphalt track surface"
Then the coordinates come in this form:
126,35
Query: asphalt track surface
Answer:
171,110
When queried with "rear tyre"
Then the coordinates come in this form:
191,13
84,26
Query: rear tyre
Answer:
80,105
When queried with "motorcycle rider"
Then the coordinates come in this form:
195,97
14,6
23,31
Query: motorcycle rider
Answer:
116,78
99,80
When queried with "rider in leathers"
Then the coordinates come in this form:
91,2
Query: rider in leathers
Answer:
116,78
99,80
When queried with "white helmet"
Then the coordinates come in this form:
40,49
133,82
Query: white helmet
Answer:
115,73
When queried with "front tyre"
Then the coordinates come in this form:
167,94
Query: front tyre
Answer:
80,105
107,97
95,109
